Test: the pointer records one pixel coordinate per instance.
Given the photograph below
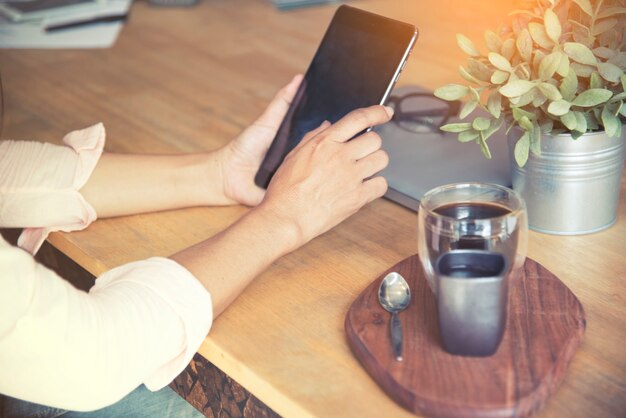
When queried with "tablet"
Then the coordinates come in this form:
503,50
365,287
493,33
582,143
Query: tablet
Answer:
356,65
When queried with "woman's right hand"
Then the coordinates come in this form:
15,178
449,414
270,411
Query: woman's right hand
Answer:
327,178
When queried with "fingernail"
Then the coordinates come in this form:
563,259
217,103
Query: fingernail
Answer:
389,110
325,124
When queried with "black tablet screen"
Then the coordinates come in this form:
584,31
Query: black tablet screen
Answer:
354,67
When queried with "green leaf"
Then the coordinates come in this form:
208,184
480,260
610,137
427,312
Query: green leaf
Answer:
604,52
519,113
525,123
586,40
602,26
468,136
499,77
493,41
499,61
478,69
585,6
474,94
563,65
456,127
580,53
584,30
516,88
610,72
595,82
581,122
535,140
576,134
549,65
480,123
610,11
592,97
539,100
538,55
559,107
466,45
569,120
508,49
495,125
552,24
623,78
484,147
597,112
619,59
468,108
451,92
527,98
539,35
618,97
569,85
550,91
611,122
524,44
522,146
582,70
494,104
467,76
524,68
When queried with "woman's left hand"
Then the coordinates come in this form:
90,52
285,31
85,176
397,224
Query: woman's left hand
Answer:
241,158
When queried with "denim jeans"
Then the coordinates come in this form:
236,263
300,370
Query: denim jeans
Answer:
140,403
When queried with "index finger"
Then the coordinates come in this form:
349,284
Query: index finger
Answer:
357,121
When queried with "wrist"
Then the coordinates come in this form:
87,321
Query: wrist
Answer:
285,234
211,179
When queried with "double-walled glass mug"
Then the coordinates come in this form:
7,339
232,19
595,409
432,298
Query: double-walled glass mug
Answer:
471,240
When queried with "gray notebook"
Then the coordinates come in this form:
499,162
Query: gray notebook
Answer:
419,162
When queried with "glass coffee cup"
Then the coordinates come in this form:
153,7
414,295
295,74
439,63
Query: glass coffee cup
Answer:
466,227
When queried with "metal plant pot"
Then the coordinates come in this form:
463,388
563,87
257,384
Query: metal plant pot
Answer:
573,186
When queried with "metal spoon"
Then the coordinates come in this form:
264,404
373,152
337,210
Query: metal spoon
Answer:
394,295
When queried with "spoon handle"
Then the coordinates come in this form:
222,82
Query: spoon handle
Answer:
396,336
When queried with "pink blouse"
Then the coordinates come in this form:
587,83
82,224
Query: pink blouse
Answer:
59,346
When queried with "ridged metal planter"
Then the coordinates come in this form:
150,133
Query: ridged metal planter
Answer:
573,186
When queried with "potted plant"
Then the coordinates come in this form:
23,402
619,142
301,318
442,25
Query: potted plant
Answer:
555,77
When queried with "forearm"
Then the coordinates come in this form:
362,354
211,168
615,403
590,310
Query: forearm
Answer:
226,263
124,184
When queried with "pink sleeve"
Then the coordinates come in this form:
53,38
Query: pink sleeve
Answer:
60,346
40,183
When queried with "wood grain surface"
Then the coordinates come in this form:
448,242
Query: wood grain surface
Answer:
190,79
545,326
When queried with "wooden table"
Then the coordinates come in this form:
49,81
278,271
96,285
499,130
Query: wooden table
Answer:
181,80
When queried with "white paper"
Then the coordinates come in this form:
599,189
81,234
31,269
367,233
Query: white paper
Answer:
32,34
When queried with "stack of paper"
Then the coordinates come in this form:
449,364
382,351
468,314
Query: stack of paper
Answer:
61,23
290,4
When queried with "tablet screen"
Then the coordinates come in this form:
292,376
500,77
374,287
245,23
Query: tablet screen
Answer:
355,66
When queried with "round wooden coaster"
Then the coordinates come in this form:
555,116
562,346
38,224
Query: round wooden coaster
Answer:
545,326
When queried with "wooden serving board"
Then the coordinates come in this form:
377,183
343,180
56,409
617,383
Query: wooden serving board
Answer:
545,326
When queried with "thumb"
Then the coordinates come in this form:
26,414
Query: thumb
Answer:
277,109
255,196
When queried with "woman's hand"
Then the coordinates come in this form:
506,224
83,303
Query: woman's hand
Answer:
327,178
240,159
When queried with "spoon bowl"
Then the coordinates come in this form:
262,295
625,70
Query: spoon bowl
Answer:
394,296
